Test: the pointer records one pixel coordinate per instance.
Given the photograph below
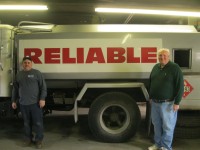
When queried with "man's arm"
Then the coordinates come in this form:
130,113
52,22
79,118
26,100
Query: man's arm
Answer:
179,85
15,94
43,91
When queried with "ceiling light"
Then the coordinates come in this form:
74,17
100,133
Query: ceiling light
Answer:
148,28
148,11
23,7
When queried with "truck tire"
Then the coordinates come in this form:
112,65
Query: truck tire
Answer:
114,117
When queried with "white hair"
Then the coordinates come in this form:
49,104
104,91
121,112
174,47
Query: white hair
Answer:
164,50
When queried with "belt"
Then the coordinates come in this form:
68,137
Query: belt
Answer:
162,101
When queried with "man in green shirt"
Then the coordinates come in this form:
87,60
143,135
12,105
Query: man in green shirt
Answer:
166,90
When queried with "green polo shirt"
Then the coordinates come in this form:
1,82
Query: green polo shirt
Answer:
166,82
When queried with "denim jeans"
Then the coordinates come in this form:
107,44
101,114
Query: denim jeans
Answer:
164,121
33,121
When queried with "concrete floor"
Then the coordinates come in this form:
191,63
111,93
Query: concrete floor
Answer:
62,133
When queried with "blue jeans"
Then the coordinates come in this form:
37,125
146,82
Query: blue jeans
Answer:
164,121
33,121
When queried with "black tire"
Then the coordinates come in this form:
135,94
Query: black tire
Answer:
114,117
188,119
187,132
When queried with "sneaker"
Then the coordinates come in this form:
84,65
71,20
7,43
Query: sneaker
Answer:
162,148
38,144
153,147
27,143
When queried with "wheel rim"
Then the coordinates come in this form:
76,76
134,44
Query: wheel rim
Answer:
114,119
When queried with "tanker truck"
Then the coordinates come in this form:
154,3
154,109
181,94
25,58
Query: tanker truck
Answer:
104,68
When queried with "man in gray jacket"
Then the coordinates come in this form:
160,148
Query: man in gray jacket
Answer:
30,89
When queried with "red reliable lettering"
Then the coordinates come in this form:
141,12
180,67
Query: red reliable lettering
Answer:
93,55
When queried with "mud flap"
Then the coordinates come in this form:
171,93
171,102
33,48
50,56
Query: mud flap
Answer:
75,112
148,117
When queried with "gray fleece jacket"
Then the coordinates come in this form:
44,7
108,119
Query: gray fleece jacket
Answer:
29,87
